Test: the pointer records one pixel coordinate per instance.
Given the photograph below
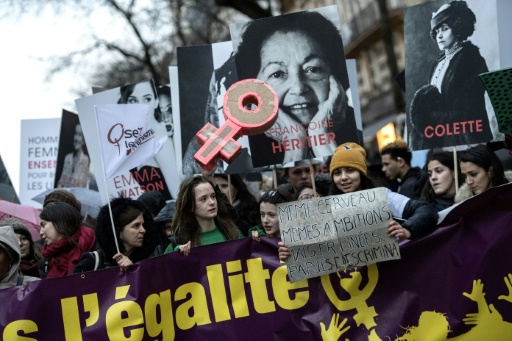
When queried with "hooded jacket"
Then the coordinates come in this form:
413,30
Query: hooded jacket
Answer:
464,192
105,236
9,240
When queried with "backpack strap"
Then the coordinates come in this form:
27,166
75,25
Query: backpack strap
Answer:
96,257
20,280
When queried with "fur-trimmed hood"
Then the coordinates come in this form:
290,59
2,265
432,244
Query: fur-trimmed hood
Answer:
9,242
105,235
464,192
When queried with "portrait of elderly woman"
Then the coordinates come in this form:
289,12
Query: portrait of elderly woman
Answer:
449,108
300,55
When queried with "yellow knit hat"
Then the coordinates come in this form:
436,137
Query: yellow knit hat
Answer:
349,155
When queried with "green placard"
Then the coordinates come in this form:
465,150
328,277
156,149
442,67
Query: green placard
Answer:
499,87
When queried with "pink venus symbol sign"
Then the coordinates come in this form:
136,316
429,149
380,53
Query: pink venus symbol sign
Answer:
250,108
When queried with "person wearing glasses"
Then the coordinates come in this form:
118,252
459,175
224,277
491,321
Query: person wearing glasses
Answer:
349,174
30,252
10,257
200,218
305,192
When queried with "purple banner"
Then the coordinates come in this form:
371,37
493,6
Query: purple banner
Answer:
452,284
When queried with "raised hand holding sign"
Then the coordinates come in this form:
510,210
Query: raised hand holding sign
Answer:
250,108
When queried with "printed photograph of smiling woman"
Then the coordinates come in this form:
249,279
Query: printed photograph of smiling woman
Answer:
447,45
300,55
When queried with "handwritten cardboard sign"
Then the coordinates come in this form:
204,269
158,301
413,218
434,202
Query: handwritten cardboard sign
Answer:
331,234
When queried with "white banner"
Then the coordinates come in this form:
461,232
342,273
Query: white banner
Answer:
127,137
38,157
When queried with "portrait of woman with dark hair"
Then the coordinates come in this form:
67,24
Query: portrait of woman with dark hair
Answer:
165,105
157,174
300,55
450,109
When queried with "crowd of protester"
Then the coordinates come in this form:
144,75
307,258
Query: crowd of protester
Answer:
212,208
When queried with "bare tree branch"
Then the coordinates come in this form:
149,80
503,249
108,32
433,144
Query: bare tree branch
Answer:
251,8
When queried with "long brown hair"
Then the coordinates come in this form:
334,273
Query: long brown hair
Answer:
184,223
446,159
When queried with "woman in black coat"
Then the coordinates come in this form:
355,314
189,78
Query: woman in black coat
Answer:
135,235
450,109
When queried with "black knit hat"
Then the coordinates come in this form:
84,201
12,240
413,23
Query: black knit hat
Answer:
153,200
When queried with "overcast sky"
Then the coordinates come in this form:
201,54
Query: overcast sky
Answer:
24,93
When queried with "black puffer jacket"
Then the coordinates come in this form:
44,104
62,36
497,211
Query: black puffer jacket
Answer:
421,218
412,183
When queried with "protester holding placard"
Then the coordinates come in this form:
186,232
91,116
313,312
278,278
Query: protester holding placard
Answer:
64,239
305,192
481,169
135,234
440,189
348,171
200,218
349,174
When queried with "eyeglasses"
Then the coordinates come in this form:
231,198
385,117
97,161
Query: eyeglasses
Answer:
23,240
308,196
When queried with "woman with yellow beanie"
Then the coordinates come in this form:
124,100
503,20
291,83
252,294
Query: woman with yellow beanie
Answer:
348,171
